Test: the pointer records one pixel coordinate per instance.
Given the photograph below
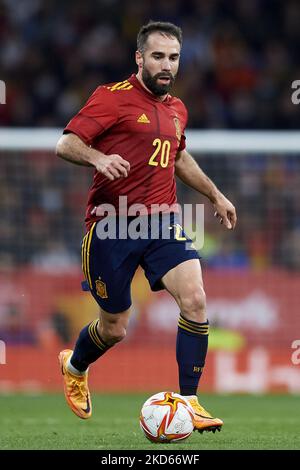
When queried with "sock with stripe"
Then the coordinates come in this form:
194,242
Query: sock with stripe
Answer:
89,347
191,350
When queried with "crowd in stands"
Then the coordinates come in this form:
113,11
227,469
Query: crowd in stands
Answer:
238,61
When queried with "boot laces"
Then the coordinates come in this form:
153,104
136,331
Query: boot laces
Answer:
78,388
198,408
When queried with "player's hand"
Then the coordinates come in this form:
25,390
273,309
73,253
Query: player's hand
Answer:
112,166
225,212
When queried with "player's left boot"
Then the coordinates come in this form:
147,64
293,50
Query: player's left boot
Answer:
76,388
203,421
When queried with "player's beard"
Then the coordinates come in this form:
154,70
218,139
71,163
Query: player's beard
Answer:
152,84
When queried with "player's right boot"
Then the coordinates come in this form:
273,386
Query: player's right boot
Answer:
203,420
76,388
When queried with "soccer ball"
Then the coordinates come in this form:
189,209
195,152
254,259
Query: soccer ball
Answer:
166,417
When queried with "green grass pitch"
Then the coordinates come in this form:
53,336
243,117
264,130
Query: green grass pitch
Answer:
45,422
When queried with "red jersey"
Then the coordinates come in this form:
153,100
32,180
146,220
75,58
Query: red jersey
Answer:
124,118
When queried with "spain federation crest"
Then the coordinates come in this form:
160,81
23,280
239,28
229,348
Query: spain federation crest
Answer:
177,127
101,289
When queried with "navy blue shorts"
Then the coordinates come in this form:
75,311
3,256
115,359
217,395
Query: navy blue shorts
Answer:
110,264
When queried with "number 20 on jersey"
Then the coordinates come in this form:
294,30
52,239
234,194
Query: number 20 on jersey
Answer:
161,154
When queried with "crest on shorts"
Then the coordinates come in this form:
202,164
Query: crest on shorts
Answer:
101,289
177,127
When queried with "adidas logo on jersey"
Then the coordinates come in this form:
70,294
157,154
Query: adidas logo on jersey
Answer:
143,118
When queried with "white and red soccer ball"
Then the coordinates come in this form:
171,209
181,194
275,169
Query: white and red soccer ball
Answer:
166,417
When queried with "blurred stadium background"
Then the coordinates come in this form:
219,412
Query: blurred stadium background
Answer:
238,63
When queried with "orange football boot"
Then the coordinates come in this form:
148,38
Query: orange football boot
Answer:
76,388
203,421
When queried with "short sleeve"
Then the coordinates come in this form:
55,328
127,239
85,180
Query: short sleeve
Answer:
182,144
99,114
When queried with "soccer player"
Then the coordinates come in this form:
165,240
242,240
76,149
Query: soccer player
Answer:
132,133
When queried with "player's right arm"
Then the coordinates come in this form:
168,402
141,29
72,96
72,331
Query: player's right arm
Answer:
76,145
71,148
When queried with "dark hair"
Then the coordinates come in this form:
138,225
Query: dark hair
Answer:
169,29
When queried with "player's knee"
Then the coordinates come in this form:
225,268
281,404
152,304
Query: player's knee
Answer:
193,304
114,334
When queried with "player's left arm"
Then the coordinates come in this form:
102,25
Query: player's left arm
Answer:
188,170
